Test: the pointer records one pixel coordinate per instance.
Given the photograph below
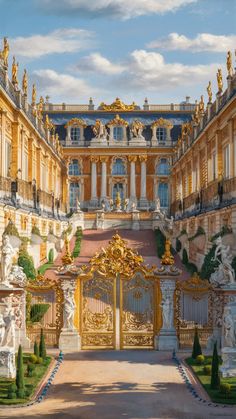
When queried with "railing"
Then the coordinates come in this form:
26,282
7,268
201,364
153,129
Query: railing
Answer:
65,107
172,107
5,185
51,336
186,337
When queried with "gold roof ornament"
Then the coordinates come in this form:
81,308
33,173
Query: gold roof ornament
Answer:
186,129
117,106
118,121
167,258
229,64
195,284
5,52
76,122
15,67
117,258
161,122
48,123
67,259
209,92
25,83
219,80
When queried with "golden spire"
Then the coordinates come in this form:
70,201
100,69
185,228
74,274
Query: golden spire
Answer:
167,258
67,259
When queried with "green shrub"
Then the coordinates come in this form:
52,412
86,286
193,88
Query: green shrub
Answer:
11,229
27,263
207,369
191,268
215,378
225,230
200,231
36,349
33,358
42,346
20,374
30,369
21,393
77,247
200,359
35,230
37,312
197,350
160,241
185,257
225,388
51,256
209,265
178,245
12,391
39,360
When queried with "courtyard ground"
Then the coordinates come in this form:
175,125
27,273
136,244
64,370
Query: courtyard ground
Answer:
116,385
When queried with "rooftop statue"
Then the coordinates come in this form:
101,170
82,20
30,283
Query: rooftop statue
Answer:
201,105
5,52
34,94
117,105
99,129
15,67
137,128
219,80
40,108
229,64
209,92
25,83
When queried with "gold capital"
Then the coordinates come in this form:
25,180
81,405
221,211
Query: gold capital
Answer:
104,159
143,158
94,159
132,158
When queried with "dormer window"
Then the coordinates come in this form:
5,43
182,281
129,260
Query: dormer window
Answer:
161,134
118,127
75,134
118,133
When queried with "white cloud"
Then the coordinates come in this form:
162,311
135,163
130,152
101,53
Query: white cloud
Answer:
202,42
63,87
124,9
97,63
59,41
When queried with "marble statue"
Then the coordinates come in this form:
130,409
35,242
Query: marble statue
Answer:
111,203
224,274
137,129
229,338
99,130
126,204
133,207
17,276
5,52
9,319
7,253
69,307
157,204
2,329
78,209
167,311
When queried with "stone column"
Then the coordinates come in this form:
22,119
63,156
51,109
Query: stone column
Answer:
132,160
69,340
104,178
167,339
143,191
94,198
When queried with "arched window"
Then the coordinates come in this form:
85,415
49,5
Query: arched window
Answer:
74,194
161,134
163,194
118,167
118,133
74,168
75,134
163,167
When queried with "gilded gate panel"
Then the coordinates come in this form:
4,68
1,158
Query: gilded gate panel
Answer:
137,312
98,313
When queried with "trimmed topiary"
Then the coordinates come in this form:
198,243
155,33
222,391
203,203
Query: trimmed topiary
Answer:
37,312
51,256
12,391
225,388
197,350
30,369
39,360
215,378
33,358
42,346
185,257
207,369
27,263
160,241
200,359
178,245
20,374
36,349
209,264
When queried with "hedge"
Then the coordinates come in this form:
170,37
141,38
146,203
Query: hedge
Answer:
209,265
160,241
27,263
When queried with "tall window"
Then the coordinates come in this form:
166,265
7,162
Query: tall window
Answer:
8,158
226,161
214,166
163,194
74,194
75,134
161,134
118,133
118,167
118,187
74,168
163,167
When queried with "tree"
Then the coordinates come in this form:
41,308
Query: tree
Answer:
215,378
20,374
36,349
42,346
197,350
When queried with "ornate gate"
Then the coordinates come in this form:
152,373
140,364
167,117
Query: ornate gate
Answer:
115,299
137,312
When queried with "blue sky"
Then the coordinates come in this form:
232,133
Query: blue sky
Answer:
160,49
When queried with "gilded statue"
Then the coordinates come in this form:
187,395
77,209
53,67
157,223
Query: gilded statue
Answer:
15,67
99,129
137,128
201,105
48,125
5,52
34,94
209,92
196,118
219,80
40,108
25,83
117,106
229,64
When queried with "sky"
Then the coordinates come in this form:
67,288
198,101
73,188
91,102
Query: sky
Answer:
164,50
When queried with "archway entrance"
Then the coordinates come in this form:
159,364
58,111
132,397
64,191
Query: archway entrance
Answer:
117,300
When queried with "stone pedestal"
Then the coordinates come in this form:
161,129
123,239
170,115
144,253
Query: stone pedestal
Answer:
7,362
135,220
228,368
69,341
98,142
166,341
138,141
